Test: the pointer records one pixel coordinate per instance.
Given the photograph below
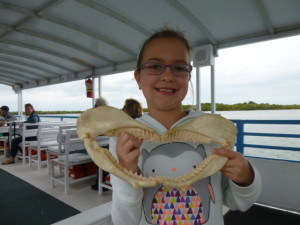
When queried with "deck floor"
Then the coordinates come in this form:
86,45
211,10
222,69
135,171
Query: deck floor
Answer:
261,215
81,196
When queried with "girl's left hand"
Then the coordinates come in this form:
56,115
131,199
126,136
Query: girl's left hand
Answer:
237,168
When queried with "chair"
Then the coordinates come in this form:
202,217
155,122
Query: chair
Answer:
72,161
28,130
58,150
46,137
4,140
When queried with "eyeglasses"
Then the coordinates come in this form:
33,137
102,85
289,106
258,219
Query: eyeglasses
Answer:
157,68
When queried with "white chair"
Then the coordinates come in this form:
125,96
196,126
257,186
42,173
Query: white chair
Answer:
68,161
58,150
4,144
4,139
28,130
46,137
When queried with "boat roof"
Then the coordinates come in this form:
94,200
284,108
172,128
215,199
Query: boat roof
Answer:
44,42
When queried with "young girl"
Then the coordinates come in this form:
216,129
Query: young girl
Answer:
163,73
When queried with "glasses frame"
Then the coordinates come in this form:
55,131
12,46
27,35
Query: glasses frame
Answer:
171,66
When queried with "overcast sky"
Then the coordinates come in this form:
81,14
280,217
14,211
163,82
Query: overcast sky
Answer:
265,72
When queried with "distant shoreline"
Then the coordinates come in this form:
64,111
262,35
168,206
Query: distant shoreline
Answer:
207,107
246,106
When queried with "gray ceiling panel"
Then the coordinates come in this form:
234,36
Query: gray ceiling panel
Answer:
45,40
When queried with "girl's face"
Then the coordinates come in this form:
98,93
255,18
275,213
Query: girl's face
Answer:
165,91
28,110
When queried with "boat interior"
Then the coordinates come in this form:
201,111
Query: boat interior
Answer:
46,42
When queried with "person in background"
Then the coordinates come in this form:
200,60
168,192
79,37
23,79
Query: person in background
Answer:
133,108
163,73
6,115
100,102
32,118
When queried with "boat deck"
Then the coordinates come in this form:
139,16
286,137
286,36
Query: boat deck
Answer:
81,196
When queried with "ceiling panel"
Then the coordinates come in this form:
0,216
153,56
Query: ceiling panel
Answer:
44,41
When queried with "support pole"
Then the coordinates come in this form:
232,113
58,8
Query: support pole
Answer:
20,105
198,89
100,85
213,102
93,77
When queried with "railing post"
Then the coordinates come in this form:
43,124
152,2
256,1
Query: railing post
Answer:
240,136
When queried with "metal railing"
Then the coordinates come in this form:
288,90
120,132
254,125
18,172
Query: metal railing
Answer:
241,145
59,117
242,134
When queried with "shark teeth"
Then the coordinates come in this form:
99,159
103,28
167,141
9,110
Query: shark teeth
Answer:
111,122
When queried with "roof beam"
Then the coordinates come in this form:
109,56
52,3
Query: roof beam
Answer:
265,16
48,6
7,78
15,62
102,8
25,56
15,77
16,8
65,43
89,33
186,13
20,72
260,36
8,72
57,40
46,51
41,14
6,82
30,14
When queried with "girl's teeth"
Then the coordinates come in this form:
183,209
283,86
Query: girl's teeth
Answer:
166,90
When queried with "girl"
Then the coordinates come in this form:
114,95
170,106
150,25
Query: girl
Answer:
163,73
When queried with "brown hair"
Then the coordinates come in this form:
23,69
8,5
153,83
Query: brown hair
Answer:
133,108
165,32
29,105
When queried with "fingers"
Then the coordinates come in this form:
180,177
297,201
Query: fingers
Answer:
225,152
237,167
128,151
128,142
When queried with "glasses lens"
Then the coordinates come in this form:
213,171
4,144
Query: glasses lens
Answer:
181,69
154,68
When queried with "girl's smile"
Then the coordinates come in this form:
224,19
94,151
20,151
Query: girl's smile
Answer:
166,90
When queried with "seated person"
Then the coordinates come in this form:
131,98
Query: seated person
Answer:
32,118
6,115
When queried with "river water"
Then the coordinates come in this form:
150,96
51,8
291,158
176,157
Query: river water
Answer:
264,128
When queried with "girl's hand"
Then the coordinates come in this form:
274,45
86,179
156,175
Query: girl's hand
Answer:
128,151
237,168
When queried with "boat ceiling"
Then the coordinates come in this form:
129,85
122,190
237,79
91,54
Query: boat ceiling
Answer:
44,42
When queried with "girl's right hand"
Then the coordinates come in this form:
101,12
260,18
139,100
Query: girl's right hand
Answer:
128,151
